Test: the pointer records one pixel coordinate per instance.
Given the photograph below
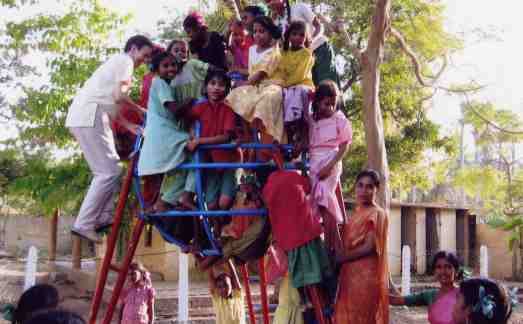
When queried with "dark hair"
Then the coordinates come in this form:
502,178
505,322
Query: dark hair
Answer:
326,89
296,26
216,73
372,174
269,25
156,60
470,288
56,316
174,42
194,20
256,10
450,258
139,41
36,298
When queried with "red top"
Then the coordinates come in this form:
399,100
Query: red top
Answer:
216,120
146,86
290,210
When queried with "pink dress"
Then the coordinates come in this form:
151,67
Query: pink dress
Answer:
325,137
135,301
440,312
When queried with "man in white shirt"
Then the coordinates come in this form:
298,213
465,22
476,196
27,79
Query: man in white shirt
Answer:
89,120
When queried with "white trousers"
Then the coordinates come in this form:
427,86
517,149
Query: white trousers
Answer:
97,144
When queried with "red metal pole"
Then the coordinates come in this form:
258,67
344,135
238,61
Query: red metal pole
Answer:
263,291
111,243
317,303
339,195
245,275
135,239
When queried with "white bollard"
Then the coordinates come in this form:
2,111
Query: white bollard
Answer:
30,268
183,288
405,270
483,261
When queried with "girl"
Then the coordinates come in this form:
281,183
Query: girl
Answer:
330,135
165,140
483,301
57,316
208,46
259,100
294,73
137,299
440,301
363,281
35,299
249,13
239,47
226,294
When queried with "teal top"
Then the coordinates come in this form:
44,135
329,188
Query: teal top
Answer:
165,139
189,82
424,298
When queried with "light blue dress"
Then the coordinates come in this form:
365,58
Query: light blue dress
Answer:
165,140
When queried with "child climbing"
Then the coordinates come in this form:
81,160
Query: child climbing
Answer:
138,298
294,74
259,100
330,135
226,294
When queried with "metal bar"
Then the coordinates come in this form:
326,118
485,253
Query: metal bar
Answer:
211,213
244,145
122,275
246,165
114,267
245,275
263,291
111,243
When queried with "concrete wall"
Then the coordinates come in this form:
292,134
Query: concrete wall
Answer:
394,242
500,258
448,230
421,238
23,231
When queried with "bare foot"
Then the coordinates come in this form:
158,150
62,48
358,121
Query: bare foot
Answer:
186,201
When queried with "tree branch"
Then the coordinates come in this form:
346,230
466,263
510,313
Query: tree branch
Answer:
338,27
491,123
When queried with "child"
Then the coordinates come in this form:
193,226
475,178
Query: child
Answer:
259,101
138,298
56,316
33,300
330,135
249,13
294,74
165,140
483,301
226,294
239,48
208,46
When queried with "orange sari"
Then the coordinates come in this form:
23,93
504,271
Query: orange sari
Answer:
363,284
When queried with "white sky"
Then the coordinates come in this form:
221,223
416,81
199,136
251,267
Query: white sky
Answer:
495,63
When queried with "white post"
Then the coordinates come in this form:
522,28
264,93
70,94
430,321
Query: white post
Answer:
183,288
483,261
30,268
405,270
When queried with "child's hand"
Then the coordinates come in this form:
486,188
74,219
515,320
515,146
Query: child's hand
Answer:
192,144
325,172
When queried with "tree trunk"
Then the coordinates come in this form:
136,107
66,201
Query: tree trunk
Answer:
53,227
372,117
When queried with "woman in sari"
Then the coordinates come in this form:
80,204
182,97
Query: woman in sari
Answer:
363,283
440,301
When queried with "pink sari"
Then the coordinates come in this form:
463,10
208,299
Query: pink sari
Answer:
440,312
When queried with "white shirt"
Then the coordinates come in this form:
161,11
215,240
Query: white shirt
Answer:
98,91
302,12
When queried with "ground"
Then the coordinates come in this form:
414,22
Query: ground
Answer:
73,298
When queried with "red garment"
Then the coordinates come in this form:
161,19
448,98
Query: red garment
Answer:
290,210
146,86
216,120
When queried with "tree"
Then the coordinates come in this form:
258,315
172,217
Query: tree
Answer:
496,177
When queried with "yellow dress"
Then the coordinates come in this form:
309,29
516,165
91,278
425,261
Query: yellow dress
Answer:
289,306
262,101
229,310
295,68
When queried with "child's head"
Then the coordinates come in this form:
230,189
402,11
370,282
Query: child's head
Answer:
139,48
56,317
217,85
276,5
482,301
325,99
238,33
179,49
35,299
265,31
137,273
224,285
446,268
195,26
296,36
164,65
251,12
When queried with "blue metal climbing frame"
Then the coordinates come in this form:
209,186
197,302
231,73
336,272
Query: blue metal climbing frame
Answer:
202,210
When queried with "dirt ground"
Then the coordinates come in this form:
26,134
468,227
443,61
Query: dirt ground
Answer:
72,298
